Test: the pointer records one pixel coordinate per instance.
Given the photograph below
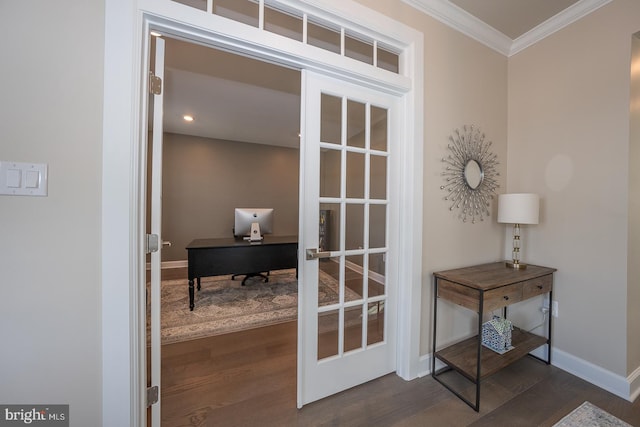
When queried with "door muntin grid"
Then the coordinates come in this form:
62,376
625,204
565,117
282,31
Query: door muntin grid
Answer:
354,170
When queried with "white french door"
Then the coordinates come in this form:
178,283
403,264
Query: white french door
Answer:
348,229
155,187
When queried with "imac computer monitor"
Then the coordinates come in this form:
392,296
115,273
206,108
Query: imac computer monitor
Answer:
252,223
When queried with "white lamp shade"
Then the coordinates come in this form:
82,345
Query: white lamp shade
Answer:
518,208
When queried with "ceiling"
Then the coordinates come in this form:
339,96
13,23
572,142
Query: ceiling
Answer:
507,26
236,98
230,97
513,18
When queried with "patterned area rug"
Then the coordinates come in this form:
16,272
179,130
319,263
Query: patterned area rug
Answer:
223,305
589,415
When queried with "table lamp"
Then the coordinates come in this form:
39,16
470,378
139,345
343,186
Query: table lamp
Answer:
517,209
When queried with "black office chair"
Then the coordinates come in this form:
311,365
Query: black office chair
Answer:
249,275
265,276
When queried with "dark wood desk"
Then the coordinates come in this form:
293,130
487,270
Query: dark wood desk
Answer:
216,257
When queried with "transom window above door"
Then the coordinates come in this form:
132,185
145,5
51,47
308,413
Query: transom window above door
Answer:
298,25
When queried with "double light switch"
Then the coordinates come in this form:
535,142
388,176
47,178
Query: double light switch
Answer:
23,179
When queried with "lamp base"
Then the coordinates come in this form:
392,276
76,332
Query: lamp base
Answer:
516,265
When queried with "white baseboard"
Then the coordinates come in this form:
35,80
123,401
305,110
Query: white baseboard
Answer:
424,366
171,264
626,388
634,384
614,383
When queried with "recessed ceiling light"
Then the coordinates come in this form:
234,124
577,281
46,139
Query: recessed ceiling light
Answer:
187,118
155,33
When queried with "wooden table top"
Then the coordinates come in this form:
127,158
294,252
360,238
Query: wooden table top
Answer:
492,275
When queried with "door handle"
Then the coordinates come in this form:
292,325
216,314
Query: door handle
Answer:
314,253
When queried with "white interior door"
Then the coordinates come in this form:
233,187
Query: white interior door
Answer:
156,226
347,321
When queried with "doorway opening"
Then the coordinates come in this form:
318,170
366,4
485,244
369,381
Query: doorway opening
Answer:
123,216
239,149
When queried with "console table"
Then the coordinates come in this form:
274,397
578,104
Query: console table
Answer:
216,257
482,289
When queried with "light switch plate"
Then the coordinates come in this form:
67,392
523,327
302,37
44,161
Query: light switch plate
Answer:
14,178
23,179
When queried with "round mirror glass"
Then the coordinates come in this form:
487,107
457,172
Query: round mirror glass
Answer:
473,174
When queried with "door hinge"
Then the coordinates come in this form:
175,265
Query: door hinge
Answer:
151,243
155,84
152,395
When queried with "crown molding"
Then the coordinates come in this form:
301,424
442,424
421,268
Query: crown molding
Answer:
462,21
555,23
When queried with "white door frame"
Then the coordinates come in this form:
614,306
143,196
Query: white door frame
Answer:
156,228
124,160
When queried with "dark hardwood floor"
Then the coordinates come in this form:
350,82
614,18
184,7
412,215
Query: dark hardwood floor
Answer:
249,379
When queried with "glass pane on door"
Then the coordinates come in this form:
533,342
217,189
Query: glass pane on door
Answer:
353,328
329,218
355,175
354,278
379,126
328,330
378,177
377,229
329,282
375,325
331,119
356,124
376,279
330,164
353,225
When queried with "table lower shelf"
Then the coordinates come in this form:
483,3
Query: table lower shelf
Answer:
463,356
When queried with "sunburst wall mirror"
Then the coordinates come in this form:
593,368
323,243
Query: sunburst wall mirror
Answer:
470,174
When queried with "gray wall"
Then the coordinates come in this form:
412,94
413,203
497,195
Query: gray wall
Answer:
569,122
203,180
51,95
633,273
